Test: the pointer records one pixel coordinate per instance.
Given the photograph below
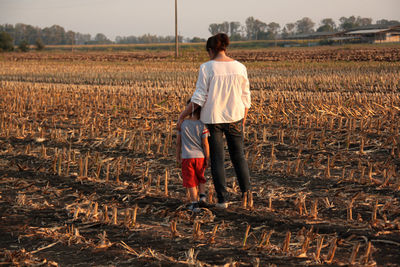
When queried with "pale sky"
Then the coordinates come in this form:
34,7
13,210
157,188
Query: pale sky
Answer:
137,17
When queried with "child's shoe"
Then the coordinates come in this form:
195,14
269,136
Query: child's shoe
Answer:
194,207
222,205
203,199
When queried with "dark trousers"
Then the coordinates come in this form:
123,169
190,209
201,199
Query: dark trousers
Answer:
234,137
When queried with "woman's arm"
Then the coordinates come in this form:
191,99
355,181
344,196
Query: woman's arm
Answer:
246,110
191,106
246,98
199,96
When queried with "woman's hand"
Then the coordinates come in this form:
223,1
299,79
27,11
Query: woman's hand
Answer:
246,110
189,108
179,123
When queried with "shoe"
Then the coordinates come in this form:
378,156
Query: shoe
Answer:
222,205
203,200
194,207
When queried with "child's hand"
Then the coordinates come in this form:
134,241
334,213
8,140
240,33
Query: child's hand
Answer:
206,163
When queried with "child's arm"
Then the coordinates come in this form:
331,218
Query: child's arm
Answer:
178,148
206,149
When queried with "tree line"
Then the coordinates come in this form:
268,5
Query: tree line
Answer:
24,35
255,29
56,35
146,39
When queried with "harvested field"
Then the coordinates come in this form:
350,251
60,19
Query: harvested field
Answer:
388,53
88,173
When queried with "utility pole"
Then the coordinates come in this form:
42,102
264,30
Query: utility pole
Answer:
176,29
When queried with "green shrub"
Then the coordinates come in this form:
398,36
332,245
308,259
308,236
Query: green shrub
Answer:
6,42
23,46
39,44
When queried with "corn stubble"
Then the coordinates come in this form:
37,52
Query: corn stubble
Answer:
112,126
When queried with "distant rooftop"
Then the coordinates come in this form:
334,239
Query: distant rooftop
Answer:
311,35
370,27
343,38
367,31
374,27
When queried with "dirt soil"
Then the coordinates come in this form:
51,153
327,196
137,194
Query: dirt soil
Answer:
37,211
84,173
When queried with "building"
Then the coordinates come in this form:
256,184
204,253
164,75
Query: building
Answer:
365,34
374,34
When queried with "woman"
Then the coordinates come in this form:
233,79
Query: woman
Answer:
222,91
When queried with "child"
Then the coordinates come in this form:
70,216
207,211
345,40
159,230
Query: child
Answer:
193,152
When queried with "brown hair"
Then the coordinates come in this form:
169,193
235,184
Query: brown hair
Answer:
217,43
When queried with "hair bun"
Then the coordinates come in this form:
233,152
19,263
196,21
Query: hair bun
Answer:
224,39
218,42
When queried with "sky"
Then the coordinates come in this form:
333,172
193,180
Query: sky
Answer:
137,17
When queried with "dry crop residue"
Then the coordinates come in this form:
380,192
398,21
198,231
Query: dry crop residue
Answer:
88,175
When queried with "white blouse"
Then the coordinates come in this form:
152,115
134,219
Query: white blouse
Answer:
223,91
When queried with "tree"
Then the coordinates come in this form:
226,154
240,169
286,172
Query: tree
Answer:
224,27
23,46
273,29
70,37
288,30
25,32
6,42
8,28
126,40
219,27
250,28
197,40
353,22
260,28
304,25
53,35
364,21
39,44
327,25
387,22
347,23
82,38
255,28
213,28
234,28
102,39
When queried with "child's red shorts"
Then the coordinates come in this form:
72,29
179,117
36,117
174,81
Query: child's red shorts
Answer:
193,172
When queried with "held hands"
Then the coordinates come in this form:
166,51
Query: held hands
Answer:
206,162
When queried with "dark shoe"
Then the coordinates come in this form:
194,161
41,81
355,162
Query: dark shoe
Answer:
222,205
194,207
203,200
